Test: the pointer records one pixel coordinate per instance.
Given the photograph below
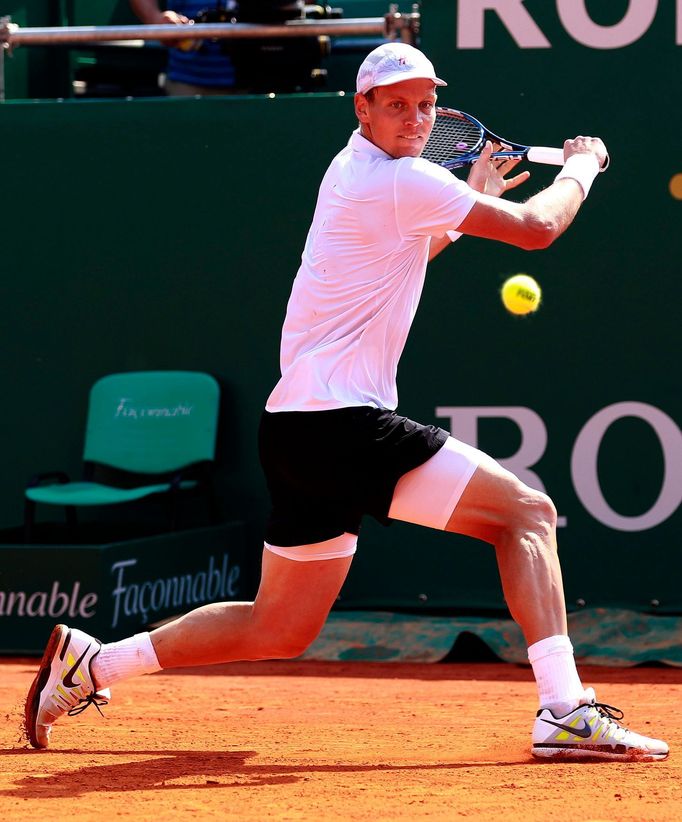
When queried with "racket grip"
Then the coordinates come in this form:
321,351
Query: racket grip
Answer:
554,156
546,155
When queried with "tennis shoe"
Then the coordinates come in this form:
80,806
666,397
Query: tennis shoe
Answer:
591,731
64,683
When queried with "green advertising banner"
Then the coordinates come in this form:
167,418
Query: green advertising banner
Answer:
115,589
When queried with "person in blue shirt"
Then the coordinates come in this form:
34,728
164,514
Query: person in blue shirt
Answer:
205,70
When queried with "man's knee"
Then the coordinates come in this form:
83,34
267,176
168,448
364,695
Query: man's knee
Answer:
535,514
294,647
275,639
541,510
282,645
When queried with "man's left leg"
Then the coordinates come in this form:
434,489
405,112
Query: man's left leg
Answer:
493,505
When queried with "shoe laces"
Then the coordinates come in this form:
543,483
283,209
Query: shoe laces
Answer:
609,713
86,702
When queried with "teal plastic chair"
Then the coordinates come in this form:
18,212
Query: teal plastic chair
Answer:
154,431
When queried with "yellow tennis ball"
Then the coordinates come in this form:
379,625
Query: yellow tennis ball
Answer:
521,294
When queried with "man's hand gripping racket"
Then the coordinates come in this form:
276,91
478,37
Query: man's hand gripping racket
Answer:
457,139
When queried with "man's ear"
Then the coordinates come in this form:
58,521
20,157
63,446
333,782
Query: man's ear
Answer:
361,107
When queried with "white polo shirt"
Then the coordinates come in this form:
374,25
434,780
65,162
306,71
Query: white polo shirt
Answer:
361,277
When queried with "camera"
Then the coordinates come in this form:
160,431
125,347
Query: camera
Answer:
273,64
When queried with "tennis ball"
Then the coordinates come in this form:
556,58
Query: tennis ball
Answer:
521,294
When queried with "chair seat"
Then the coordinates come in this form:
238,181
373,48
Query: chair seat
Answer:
93,493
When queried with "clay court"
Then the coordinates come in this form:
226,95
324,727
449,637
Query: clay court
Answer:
346,741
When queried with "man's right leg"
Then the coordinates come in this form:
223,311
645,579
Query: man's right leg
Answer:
292,604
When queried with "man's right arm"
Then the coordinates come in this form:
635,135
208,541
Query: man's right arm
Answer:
545,216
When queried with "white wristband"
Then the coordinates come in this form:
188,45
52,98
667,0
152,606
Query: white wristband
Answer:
453,236
582,168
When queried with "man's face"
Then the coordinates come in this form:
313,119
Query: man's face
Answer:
400,117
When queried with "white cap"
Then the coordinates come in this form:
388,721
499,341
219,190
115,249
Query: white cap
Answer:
393,63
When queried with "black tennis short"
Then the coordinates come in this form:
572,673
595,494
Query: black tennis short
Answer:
326,469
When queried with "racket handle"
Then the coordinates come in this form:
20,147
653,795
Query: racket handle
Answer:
554,156
546,155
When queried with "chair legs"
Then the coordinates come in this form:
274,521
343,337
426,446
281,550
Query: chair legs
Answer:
71,521
30,518
211,504
173,510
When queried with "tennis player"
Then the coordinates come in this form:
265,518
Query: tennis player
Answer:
333,447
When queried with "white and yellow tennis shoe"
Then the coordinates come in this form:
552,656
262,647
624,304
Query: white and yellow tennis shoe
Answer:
591,731
63,684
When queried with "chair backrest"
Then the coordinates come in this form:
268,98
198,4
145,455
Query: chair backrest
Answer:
152,422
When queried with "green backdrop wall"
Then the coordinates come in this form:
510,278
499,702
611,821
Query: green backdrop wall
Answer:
165,234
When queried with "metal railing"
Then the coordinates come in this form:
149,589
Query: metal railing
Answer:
392,26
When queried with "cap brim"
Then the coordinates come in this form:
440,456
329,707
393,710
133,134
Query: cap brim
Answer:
408,75
400,77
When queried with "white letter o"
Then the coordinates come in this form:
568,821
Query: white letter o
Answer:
584,466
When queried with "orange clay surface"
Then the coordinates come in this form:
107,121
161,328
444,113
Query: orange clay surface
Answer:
344,741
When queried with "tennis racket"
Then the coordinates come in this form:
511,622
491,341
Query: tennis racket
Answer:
457,140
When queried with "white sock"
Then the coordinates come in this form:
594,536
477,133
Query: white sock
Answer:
559,686
122,660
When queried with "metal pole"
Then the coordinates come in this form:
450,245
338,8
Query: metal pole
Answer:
391,26
362,26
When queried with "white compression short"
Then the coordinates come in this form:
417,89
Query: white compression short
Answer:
343,546
428,494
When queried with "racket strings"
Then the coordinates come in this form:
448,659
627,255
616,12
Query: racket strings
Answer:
451,138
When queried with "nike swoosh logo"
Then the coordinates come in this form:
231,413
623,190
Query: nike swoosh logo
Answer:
68,679
584,732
